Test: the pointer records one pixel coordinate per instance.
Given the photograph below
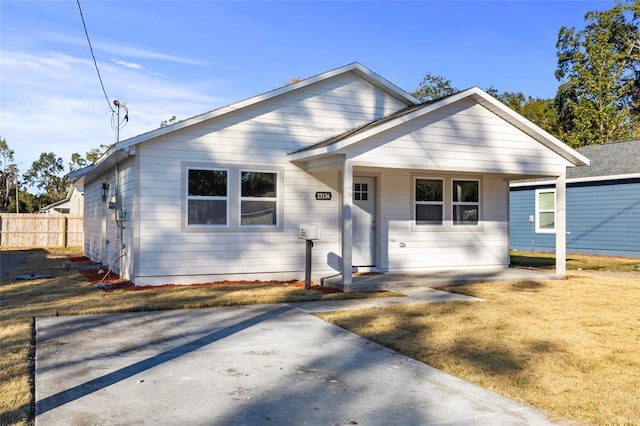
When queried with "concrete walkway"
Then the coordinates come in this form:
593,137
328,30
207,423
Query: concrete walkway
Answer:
255,365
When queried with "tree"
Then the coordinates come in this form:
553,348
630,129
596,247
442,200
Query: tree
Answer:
46,174
8,174
600,80
165,123
78,161
433,87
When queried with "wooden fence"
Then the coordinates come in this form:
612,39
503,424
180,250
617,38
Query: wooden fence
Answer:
40,230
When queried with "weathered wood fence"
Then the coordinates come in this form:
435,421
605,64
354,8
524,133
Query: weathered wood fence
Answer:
40,230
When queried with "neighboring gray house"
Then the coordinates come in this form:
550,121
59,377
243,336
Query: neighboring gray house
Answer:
603,205
392,184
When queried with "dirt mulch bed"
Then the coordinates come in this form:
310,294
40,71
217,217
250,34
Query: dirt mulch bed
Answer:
109,281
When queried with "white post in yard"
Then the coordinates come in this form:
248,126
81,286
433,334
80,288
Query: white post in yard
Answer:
347,221
561,224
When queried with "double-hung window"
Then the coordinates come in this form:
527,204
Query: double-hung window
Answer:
465,202
429,201
258,198
207,192
545,210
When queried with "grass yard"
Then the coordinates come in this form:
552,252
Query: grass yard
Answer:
570,348
68,292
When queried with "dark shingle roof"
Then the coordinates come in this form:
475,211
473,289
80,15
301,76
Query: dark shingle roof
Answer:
608,159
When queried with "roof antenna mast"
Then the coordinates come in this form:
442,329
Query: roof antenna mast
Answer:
116,122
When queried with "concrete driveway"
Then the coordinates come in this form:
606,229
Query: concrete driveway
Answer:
256,365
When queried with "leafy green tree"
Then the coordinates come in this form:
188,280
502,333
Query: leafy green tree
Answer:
8,175
600,81
78,161
434,87
46,174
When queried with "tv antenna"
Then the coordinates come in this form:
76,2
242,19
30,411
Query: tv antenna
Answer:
118,122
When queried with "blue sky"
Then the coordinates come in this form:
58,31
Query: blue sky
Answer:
183,58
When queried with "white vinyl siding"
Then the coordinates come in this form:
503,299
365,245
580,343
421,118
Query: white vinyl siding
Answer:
463,137
255,139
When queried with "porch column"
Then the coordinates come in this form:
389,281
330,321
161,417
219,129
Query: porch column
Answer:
561,224
347,221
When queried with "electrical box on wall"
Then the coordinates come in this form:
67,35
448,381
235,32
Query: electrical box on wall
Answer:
121,215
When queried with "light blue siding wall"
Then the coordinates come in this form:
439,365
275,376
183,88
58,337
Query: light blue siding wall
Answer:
603,218
522,235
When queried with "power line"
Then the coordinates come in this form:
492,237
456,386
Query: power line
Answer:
94,57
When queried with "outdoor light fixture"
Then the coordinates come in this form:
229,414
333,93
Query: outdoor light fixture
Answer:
105,191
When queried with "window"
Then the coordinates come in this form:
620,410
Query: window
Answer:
259,198
361,192
466,202
429,201
207,197
545,210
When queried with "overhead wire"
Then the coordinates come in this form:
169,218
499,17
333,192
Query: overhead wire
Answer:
94,57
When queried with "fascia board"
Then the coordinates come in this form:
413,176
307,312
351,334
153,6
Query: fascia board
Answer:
576,180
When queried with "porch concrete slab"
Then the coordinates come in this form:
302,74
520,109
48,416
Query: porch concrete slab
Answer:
393,280
256,365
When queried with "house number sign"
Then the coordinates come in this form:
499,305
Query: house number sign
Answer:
323,195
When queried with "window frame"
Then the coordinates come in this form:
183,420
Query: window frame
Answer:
465,203
188,198
242,198
415,203
234,188
538,210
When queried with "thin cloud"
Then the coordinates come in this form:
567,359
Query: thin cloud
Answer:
126,64
121,49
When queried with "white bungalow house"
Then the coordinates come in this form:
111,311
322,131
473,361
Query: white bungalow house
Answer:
73,204
391,183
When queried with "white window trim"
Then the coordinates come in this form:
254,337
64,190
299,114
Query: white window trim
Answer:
466,203
201,197
429,203
447,225
234,188
538,211
275,199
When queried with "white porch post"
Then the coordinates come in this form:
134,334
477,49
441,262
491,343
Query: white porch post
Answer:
347,221
561,224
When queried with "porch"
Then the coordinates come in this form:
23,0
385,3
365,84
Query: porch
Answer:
397,280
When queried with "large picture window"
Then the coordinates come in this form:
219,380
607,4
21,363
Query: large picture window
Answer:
545,210
259,198
207,197
429,201
466,202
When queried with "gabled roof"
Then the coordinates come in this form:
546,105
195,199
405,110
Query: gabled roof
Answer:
355,67
416,111
609,159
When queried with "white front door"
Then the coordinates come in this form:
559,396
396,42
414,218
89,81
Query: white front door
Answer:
364,221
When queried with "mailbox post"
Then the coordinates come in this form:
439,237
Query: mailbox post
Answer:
308,232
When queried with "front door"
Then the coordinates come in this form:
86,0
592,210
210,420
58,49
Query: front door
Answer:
364,221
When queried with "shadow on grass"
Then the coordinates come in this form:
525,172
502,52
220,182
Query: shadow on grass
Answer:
527,285
533,261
